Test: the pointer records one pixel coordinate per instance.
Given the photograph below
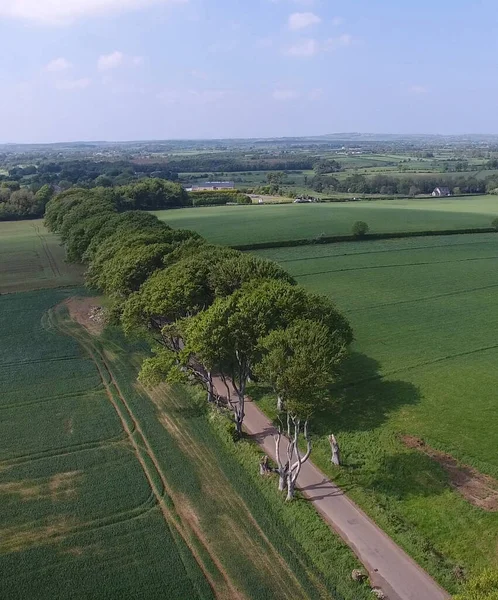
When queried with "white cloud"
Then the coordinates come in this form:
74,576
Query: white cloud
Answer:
315,94
283,95
222,46
137,61
197,74
57,65
311,47
193,96
110,61
304,48
299,21
418,89
339,42
64,12
74,84
300,2
266,42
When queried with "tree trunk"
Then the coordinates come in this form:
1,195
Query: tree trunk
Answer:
291,488
336,451
282,480
292,448
210,386
280,403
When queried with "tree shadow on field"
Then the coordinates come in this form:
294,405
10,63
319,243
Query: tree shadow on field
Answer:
363,399
409,474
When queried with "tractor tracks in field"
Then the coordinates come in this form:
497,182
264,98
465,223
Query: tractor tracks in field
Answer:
54,267
188,532
395,266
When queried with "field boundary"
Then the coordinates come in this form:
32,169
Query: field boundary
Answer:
369,237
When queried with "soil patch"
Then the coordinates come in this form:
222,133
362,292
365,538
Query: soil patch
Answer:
87,312
478,489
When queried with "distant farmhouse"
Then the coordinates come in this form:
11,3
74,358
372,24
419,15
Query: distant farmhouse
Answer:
210,186
441,191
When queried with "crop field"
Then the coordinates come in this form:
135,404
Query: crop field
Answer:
109,491
425,316
32,258
239,225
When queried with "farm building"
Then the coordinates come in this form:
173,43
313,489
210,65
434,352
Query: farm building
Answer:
441,191
211,186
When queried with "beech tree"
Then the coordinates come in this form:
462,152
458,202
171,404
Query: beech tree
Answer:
300,363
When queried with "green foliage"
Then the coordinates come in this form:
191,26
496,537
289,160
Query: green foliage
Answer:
219,197
151,194
494,223
21,203
482,587
360,228
299,363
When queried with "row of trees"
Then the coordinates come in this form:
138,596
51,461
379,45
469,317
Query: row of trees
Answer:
405,186
214,316
146,194
22,203
88,173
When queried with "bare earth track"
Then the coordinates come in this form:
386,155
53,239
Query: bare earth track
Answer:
478,489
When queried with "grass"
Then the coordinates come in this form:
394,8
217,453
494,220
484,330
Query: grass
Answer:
32,258
110,491
238,225
424,363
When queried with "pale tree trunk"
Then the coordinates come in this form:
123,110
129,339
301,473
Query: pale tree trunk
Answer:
239,384
210,387
336,451
293,448
280,403
282,469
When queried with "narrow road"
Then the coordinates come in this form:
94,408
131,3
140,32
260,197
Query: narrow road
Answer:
389,567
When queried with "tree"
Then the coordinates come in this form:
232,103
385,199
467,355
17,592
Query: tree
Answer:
227,334
300,363
43,196
276,178
360,229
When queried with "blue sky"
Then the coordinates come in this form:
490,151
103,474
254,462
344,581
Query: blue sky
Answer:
158,69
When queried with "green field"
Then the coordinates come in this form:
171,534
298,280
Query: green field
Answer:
425,316
109,492
239,225
32,258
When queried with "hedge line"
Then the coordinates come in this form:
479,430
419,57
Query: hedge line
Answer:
334,239
218,198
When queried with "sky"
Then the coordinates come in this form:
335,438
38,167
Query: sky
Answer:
120,70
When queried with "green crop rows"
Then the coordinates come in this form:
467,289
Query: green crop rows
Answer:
31,258
109,492
239,225
425,316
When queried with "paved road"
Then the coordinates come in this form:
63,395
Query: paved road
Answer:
390,568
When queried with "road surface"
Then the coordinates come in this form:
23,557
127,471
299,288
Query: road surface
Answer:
389,567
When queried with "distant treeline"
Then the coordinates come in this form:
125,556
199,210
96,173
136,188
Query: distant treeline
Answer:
229,164
405,186
22,203
87,173
146,194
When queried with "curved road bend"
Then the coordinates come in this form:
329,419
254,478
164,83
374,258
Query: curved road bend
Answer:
389,567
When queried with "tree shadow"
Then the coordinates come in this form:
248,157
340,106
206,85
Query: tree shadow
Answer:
362,398
409,474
